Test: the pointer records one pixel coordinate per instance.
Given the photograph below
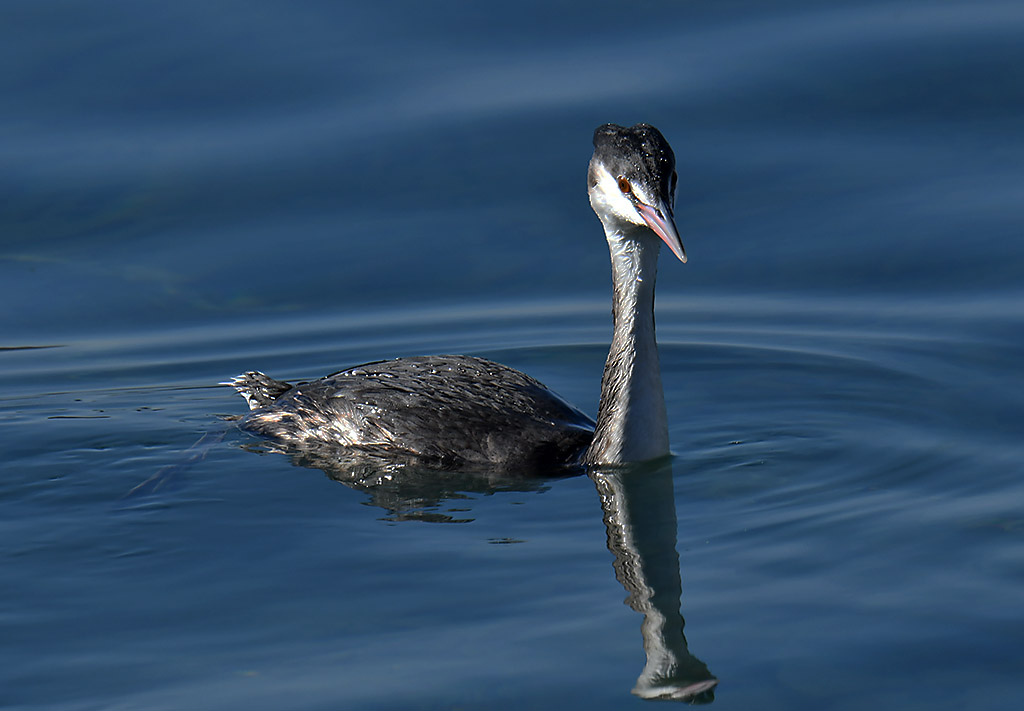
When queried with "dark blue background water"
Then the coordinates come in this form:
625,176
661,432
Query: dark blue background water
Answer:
194,189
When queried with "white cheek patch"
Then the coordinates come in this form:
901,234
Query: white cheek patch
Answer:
606,198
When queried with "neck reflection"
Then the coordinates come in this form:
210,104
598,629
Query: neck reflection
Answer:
640,516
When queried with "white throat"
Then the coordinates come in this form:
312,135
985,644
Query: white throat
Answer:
631,421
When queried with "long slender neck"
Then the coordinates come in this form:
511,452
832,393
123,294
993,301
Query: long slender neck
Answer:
631,421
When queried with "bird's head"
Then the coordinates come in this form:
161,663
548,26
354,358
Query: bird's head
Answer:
632,182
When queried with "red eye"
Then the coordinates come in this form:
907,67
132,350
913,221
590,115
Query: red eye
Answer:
624,185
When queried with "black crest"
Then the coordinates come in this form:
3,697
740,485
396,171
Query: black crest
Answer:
640,153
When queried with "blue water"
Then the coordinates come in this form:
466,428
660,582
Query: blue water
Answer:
195,189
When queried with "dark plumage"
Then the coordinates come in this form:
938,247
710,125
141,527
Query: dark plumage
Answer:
449,411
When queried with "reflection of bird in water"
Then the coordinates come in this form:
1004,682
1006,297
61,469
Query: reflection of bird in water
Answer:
640,516
464,412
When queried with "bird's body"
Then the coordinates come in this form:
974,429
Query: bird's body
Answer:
491,416
465,412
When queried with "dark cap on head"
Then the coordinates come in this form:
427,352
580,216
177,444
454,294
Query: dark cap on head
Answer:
639,153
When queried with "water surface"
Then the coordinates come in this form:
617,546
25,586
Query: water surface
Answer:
194,190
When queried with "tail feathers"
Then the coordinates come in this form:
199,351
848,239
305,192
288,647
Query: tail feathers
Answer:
259,390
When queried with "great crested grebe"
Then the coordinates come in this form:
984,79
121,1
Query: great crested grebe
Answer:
456,411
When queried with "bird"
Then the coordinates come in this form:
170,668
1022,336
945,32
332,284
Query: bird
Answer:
461,412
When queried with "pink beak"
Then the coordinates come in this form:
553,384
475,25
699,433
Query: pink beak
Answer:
659,218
